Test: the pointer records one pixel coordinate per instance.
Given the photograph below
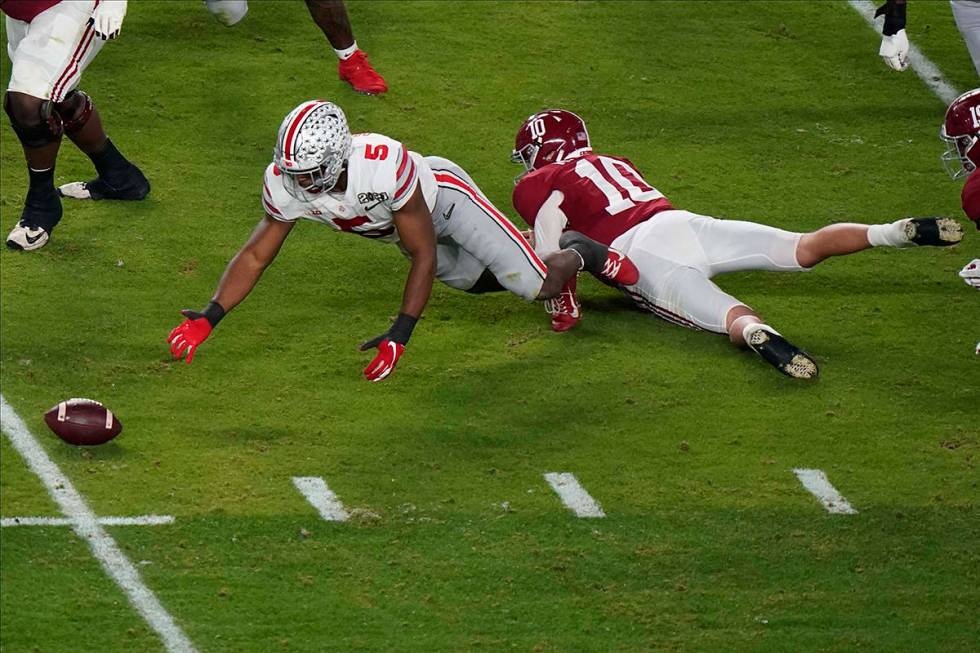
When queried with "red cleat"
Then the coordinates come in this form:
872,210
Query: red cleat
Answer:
564,309
357,71
619,269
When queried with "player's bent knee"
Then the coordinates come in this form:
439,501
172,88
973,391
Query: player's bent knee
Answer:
486,283
75,111
34,120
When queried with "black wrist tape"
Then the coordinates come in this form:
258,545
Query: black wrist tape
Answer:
894,14
213,313
401,330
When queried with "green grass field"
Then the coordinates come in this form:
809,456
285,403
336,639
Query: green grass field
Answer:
779,112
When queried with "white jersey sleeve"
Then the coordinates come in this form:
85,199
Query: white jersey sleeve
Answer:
406,179
276,201
549,224
391,172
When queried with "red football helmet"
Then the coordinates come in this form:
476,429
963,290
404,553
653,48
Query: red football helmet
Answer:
961,131
550,136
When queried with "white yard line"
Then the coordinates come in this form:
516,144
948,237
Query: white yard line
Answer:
142,520
927,71
321,497
816,483
87,527
573,495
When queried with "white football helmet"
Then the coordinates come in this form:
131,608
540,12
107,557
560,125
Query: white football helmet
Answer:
312,148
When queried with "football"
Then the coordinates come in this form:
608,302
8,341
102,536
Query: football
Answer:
83,422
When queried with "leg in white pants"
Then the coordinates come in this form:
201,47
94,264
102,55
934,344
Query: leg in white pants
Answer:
967,15
678,252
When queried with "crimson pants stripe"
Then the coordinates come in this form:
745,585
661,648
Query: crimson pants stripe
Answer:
662,312
73,64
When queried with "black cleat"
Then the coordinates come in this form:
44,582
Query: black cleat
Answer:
782,355
131,185
937,232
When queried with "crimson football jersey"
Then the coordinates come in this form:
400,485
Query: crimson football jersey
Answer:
971,197
604,196
26,10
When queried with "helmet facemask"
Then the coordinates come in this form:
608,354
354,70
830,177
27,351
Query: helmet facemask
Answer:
956,158
525,156
307,185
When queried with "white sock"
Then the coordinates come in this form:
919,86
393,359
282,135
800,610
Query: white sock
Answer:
891,234
346,53
752,327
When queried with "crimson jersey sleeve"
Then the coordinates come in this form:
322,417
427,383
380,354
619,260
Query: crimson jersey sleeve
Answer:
603,196
971,197
532,191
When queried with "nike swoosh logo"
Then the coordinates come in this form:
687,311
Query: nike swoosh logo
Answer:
34,239
449,212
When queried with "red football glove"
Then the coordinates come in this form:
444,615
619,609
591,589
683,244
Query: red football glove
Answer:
189,335
388,354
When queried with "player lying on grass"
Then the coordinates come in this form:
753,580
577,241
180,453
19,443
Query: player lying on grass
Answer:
961,132
372,186
677,253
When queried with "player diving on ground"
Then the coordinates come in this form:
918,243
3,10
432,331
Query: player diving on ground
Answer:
569,187
372,186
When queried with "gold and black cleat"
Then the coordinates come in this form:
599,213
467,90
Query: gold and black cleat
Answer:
781,354
935,232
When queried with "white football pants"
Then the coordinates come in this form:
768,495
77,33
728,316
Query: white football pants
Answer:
50,53
474,236
678,252
967,15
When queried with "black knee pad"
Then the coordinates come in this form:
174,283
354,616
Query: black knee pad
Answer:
36,131
75,110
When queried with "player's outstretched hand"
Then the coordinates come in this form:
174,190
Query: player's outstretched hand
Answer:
107,19
388,354
895,50
971,273
187,337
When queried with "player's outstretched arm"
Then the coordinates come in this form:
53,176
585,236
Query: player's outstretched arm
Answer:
241,275
414,224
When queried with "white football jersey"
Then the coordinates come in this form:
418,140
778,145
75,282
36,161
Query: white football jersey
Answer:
381,177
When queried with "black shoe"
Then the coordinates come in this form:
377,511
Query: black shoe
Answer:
782,355
131,185
938,232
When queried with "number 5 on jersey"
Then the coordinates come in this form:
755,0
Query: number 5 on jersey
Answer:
375,152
